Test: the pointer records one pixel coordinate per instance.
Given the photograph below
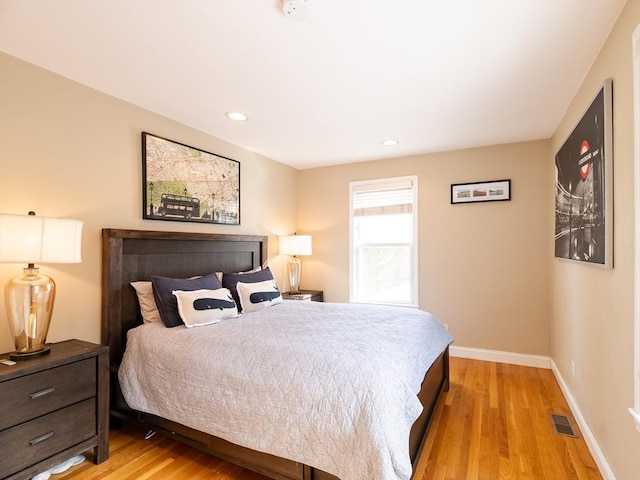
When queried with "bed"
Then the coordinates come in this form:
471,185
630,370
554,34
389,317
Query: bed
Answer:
132,255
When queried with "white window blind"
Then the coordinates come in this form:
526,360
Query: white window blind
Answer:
392,199
384,241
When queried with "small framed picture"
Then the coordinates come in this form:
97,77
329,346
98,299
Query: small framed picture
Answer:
491,191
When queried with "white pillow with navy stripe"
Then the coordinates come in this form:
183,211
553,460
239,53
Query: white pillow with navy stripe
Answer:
204,307
259,295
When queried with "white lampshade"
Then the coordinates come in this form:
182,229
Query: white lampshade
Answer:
295,245
33,239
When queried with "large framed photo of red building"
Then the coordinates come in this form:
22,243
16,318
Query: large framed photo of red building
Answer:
584,186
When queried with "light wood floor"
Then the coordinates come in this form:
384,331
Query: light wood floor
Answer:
493,424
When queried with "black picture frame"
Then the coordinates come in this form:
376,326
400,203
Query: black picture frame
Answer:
487,191
584,186
186,184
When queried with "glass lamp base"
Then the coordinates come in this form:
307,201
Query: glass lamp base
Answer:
18,356
294,268
29,301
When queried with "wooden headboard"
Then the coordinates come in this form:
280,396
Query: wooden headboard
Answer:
132,255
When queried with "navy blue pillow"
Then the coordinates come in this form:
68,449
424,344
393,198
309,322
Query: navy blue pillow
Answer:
167,302
230,280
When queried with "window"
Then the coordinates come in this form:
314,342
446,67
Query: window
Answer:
383,241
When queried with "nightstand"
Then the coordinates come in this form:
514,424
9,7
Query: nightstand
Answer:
53,408
308,295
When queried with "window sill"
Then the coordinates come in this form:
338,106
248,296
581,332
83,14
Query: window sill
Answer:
364,302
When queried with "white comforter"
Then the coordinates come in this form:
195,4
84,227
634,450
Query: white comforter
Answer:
330,385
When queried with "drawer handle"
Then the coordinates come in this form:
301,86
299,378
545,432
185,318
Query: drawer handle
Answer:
41,438
42,393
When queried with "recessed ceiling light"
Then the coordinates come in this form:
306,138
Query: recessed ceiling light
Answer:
237,116
390,142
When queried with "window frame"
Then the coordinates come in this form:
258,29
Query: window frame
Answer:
376,184
635,410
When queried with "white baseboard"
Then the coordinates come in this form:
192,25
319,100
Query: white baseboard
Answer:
512,358
592,444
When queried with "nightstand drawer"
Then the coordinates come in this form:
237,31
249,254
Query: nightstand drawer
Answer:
33,441
33,395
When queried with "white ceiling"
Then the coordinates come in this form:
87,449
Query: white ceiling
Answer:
436,75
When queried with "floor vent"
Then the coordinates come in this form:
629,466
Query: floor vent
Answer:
562,426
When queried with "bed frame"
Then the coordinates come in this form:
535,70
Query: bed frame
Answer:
131,255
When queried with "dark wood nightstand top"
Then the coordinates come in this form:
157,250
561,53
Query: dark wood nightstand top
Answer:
61,354
313,295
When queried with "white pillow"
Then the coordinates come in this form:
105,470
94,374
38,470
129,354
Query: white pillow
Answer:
259,295
204,307
147,302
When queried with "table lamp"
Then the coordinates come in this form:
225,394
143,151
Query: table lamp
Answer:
295,245
29,297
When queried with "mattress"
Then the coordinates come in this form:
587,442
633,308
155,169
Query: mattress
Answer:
333,386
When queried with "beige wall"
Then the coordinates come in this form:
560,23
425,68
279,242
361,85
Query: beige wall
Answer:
69,151
483,268
592,309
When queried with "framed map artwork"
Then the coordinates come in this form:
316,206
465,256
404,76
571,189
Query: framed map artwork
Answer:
186,184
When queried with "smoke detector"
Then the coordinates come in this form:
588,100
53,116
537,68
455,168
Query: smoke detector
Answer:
297,9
